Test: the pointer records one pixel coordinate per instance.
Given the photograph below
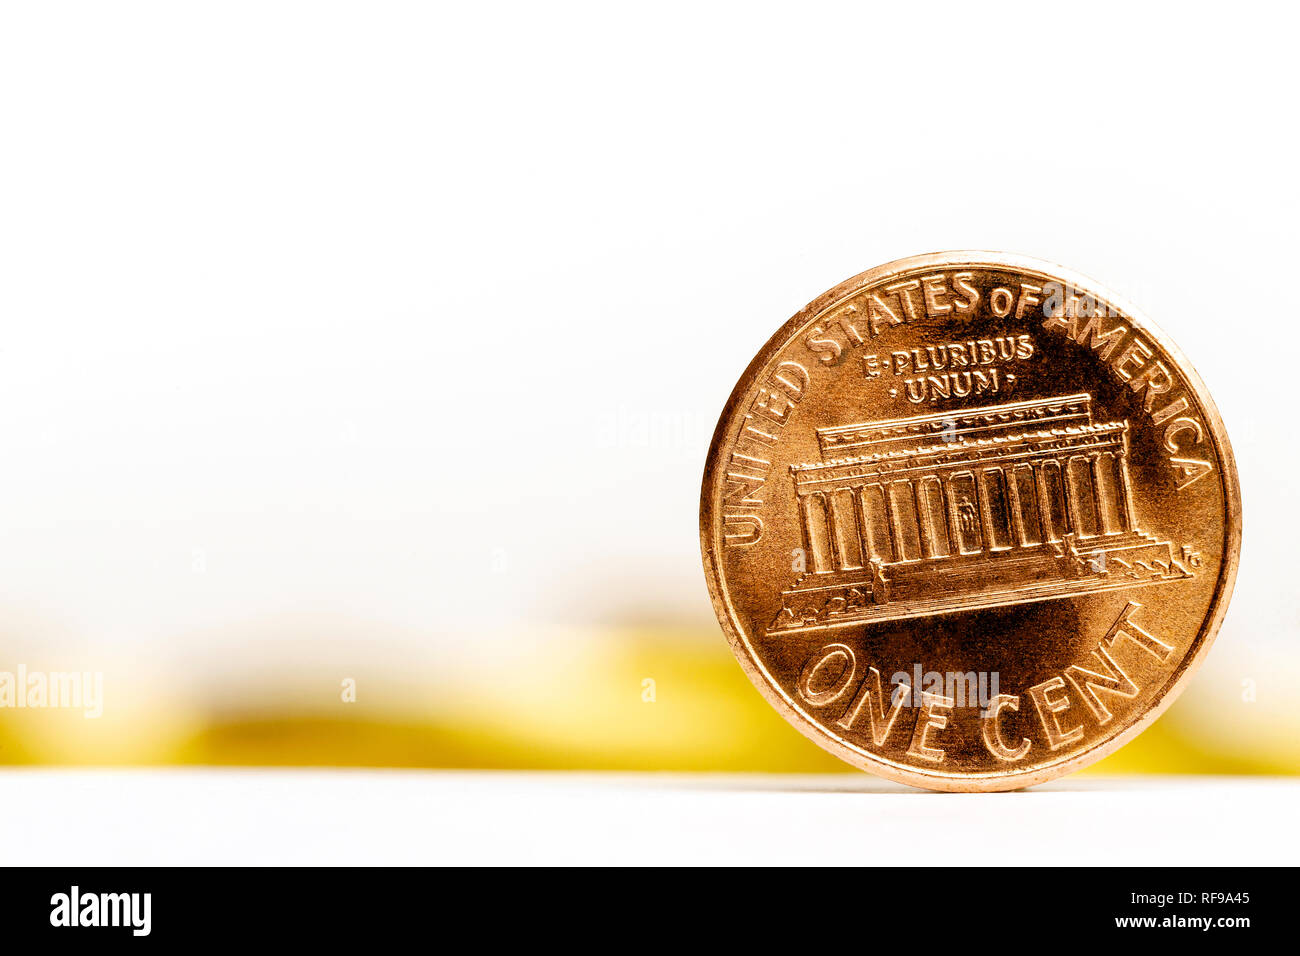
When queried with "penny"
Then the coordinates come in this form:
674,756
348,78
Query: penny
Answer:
970,521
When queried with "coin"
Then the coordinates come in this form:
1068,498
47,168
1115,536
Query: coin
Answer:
970,521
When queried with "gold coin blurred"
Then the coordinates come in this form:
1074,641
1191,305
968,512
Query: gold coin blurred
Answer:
970,521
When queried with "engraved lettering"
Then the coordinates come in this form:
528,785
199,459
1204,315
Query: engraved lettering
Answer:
880,315
1000,301
1182,425
993,738
741,530
828,350
747,468
1136,365
1125,627
1136,354
829,657
904,292
1087,683
871,698
934,287
1189,470
775,406
929,719
963,282
1028,299
791,378
1157,380
1049,710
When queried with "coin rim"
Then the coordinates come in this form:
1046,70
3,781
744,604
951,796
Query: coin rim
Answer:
711,545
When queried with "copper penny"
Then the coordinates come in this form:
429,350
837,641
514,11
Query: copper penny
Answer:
970,521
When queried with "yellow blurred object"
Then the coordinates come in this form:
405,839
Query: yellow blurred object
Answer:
631,699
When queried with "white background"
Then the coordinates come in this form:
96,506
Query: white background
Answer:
266,817
359,310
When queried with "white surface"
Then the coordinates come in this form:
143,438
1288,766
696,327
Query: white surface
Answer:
137,817
272,272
